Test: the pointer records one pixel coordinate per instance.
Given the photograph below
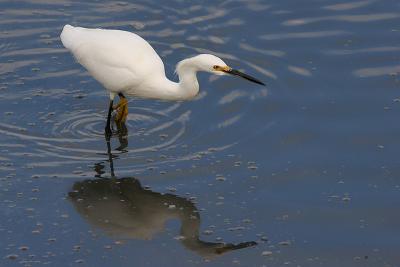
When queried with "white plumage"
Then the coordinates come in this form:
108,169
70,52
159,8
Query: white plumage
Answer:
123,62
117,59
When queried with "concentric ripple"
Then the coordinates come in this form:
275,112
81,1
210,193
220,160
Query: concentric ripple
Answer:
76,135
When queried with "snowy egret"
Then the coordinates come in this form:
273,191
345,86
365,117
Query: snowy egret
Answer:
124,63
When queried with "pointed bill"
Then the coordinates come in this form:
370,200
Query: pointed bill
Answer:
241,74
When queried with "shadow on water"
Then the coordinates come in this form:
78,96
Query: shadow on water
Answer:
122,208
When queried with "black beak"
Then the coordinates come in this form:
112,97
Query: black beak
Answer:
243,75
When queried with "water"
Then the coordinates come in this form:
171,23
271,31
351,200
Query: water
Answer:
306,167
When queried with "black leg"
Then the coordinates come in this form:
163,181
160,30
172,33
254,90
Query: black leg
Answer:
110,158
107,130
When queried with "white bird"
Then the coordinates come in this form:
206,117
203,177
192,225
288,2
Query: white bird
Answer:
124,63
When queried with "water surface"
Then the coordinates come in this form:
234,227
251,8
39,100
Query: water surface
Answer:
303,172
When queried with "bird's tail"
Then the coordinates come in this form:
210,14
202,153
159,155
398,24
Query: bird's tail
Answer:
67,36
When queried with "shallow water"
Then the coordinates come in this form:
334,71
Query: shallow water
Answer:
306,167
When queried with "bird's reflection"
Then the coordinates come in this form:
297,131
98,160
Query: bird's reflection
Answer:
122,208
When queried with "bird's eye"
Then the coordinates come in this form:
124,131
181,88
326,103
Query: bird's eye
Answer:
215,67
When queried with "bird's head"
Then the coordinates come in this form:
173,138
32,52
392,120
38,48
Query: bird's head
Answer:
215,65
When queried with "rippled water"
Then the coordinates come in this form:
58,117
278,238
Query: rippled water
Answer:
303,172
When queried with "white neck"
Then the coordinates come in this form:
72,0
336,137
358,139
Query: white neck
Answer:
187,87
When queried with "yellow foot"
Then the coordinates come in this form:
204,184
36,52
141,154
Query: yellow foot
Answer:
122,110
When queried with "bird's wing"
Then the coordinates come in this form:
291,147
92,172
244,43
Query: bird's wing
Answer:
117,59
